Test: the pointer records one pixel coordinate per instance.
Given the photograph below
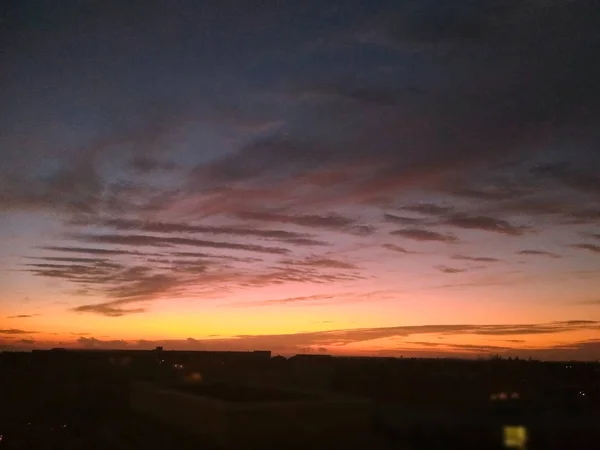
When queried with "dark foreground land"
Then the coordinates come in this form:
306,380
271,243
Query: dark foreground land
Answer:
241,393
80,400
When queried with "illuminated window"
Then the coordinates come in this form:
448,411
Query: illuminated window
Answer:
515,436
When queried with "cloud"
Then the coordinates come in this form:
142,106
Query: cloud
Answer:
164,227
286,274
361,230
89,273
591,302
340,338
488,192
418,234
485,259
538,253
15,331
27,341
97,343
485,223
329,221
590,247
73,260
110,309
73,189
397,248
325,263
246,259
91,251
121,283
143,286
447,269
22,316
403,220
162,241
318,299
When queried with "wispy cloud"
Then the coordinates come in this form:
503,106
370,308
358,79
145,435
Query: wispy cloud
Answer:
446,269
418,234
165,227
110,309
170,241
339,339
485,223
483,259
329,221
22,316
319,262
397,248
538,253
91,251
590,247
15,331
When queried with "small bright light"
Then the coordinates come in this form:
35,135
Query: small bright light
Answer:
514,395
502,396
515,436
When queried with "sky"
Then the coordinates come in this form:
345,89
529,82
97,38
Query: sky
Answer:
398,178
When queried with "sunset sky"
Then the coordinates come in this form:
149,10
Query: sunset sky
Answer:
416,178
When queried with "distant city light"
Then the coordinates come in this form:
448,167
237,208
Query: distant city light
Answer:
195,377
515,436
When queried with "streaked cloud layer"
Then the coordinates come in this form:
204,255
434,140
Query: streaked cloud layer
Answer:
272,174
